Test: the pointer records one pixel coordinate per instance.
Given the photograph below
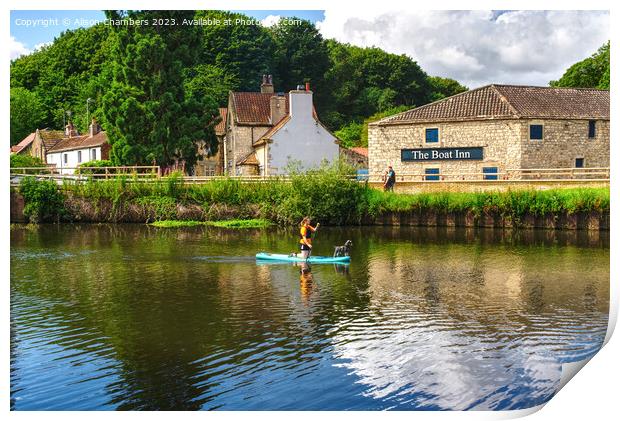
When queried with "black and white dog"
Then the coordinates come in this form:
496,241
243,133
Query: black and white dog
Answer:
340,251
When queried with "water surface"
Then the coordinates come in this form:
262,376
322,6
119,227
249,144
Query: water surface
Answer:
133,317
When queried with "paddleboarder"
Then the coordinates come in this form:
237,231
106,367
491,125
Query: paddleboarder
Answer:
306,237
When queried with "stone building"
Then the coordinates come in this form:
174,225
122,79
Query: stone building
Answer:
264,130
356,156
212,164
482,133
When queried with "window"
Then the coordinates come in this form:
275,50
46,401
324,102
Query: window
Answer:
79,156
592,129
93,154
489,173
579,163
432,135
65,158
536,131
428,171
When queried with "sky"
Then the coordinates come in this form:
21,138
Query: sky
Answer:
474,47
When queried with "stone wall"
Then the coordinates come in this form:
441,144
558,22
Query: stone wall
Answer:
353,158
240,139
500,140
564,141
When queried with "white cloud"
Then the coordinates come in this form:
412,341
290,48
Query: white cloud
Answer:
477,47
42,45
270,20
17,49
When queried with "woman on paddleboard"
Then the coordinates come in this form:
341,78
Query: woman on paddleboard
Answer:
306,237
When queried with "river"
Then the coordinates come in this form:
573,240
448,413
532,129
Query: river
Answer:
132,317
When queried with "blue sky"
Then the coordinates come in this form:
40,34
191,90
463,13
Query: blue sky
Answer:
31,37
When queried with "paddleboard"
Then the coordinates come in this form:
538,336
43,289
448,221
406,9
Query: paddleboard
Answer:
311,259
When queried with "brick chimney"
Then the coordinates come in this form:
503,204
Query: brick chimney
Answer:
70,130
277,105
94,127
267,86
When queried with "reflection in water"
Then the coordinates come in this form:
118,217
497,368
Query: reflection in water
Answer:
134,317
305,281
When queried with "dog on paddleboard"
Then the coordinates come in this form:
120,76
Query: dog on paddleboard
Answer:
344,250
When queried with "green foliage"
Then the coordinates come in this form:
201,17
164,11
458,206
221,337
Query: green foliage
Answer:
365,81
161,207
513,204
150,117
300,56
241,53
27,114
444,87
331,195
67,72
328,194
592,72
94,167
350,135
18,160
43,200
241,223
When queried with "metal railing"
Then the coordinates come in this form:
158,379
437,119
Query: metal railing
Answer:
154,173
511,174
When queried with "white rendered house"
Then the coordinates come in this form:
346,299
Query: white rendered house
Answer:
74,150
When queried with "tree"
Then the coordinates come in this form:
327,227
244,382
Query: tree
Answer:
444,87
301,55
150,117
235,55
210,81
27,114
67,72
592,72
366,81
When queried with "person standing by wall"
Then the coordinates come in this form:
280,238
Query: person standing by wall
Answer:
390,180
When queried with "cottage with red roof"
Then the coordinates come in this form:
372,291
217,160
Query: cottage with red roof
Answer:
494,128
74,149
265,130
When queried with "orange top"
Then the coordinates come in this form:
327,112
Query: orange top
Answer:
306,232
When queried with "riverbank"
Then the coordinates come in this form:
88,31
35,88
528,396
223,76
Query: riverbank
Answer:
329,197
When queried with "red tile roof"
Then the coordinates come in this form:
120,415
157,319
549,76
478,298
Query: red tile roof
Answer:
80,142
360,151
24,143
509,101
220,128
51,137
253,107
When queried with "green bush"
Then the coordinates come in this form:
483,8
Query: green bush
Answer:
18,160
330,195
94,167
43,200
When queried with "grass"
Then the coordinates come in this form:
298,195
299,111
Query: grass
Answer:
328,196
231,223
176,224
241,223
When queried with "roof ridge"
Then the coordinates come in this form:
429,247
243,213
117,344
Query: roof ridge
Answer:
505,99
439,101
549,87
